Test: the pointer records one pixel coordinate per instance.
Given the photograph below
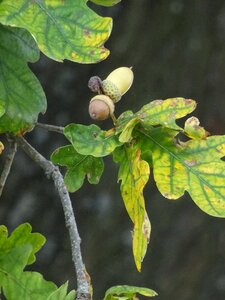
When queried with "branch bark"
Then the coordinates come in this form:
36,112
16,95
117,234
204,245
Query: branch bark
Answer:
51,171
48,127
8,164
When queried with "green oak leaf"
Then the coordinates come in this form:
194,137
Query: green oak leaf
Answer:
194,130
127,292
62,29
15,253
22,235
20,285
134,174
78,166
194,166
91,140
61,293
105,2
21,95
165,112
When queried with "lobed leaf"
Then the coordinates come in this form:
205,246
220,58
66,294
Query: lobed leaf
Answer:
157,112
194,166
26,285
21,95
91,140
63,29
78,166
134,174
105,2
127,292
22,235
15,253
165,112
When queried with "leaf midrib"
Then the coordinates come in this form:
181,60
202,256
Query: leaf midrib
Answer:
202,180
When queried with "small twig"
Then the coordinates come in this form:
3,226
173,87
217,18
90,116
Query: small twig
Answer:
8,164
83,285
48,127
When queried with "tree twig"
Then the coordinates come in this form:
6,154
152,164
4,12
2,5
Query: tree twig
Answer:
48,127
83,284
8,164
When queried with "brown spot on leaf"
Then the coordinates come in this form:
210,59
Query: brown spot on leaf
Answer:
86,33
142,115
188,101
94,134
190,163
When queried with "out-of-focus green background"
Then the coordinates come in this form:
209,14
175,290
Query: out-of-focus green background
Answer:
176,48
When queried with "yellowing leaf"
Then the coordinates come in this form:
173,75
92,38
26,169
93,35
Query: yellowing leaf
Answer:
126,134
165,112
134,174
193,130
63,29
194,166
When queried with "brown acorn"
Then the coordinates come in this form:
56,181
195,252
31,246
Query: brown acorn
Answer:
101,107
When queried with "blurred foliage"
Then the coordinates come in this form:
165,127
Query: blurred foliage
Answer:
176,48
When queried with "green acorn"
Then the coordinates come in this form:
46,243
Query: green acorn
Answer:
118,83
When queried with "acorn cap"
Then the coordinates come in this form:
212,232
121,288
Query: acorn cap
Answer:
111,90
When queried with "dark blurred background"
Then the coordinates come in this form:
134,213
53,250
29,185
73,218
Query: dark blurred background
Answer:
176,48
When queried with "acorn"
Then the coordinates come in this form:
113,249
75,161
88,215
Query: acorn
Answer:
118,83
101,107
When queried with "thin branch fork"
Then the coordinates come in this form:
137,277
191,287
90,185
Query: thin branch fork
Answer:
83,285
